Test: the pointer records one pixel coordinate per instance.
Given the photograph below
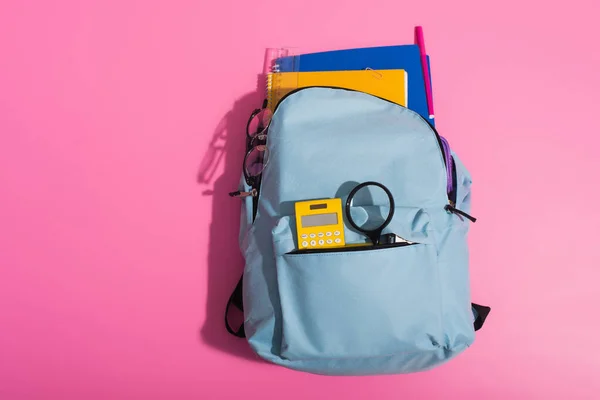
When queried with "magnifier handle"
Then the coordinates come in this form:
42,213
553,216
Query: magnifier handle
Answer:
375,236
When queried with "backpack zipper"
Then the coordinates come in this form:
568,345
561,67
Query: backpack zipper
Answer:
444,149
349,249
451,209
449,166
453,192
238,193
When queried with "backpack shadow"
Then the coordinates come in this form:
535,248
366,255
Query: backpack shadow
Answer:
225,262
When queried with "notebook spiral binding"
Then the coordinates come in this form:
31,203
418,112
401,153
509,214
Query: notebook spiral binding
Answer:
273,56
270,80
268,95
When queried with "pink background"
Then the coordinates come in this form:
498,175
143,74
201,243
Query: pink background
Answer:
117,247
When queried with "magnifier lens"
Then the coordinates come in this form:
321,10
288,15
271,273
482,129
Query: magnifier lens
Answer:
370,207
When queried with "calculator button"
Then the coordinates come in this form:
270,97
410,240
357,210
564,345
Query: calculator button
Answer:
313,243
338,240
329,241
304,244
328,234
312,235
304,236
321,242
336,233
321,234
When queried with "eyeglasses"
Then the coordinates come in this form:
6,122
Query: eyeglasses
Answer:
256,128
255,161
257,153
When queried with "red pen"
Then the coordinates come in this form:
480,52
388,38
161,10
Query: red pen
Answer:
420,41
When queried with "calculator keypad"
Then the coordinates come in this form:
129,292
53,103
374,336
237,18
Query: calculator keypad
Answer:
321,239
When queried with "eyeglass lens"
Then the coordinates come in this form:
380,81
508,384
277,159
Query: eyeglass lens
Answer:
259,122
255,161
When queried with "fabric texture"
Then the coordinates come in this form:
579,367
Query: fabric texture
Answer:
381,311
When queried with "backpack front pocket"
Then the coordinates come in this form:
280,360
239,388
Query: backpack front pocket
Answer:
358,304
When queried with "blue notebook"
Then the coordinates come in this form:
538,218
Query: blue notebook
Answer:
406,57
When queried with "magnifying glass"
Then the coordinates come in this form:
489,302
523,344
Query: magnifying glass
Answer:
369,201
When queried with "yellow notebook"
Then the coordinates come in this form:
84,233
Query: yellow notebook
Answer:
390,84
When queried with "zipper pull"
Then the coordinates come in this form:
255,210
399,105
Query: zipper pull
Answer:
450,208
238,193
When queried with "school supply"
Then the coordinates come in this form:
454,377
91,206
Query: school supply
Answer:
388,84
319,224
257,154
368,309
420,42
406,57
369,226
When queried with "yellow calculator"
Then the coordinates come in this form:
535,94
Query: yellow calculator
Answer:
319,224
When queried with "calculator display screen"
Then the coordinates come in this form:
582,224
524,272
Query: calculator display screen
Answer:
319,220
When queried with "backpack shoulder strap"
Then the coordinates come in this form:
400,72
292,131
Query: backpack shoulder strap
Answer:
480,313
236,300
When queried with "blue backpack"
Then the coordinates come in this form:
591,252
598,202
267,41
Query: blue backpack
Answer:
364,310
